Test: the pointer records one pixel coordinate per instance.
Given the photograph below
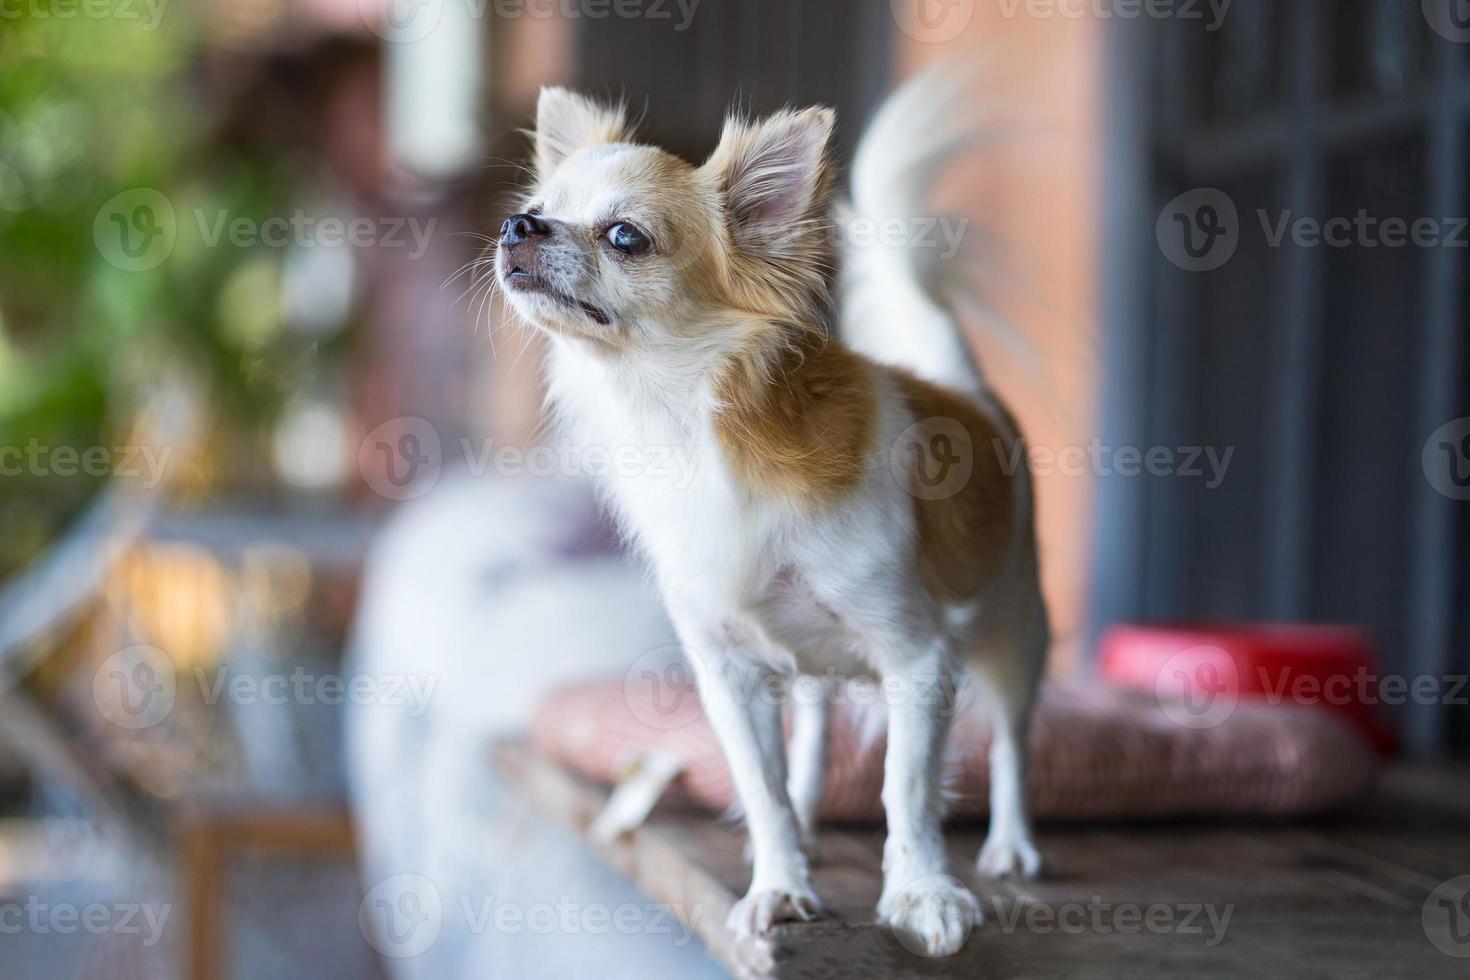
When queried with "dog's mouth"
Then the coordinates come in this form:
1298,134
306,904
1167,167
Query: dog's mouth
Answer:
523,280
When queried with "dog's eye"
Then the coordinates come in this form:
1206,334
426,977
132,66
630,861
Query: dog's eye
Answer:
628,239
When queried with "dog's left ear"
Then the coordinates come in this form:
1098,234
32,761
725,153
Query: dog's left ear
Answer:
567,122
776,171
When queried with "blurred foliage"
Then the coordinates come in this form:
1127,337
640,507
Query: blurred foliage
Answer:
90,108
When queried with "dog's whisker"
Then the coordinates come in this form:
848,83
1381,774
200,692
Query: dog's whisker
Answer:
472,266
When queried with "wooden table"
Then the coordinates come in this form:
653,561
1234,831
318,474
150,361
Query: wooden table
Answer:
1336,899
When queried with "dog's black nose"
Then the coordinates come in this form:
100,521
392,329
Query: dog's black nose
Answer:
519,227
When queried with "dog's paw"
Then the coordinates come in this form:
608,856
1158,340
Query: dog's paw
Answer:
759,911
1009,858
931,916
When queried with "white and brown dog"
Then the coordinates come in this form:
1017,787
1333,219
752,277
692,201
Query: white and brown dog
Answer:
692,307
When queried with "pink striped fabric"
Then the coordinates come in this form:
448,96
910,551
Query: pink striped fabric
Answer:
1097,753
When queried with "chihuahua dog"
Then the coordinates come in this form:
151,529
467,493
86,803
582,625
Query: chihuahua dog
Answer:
852,512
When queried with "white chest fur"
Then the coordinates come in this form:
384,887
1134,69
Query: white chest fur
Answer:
667,478
807,581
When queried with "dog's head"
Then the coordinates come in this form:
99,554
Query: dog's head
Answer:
621,245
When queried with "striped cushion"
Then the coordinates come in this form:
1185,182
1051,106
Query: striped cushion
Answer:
1097,752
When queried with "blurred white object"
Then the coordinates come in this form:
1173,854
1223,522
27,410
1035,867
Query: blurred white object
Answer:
317,283
636,795
433,52
309,446
494,591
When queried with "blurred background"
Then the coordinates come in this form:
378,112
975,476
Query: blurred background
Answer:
279,556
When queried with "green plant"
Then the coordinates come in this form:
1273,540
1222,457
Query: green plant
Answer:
89,109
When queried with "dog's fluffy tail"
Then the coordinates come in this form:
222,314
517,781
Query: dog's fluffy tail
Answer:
900,277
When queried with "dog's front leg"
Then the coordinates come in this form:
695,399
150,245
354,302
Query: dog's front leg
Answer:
931,912
746,718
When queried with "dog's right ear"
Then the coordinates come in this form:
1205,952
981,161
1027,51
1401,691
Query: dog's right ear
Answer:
567,122
774,173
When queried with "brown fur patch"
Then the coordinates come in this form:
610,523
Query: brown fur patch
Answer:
965,538
798,424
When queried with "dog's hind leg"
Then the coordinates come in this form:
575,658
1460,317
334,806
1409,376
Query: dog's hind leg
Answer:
1008,673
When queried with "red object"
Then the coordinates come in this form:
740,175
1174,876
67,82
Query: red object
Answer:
1098,752
1202,671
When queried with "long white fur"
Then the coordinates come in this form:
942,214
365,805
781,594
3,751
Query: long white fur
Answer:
758,588
913,137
